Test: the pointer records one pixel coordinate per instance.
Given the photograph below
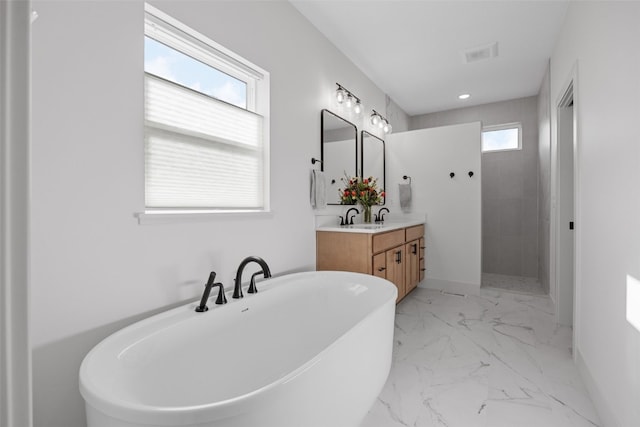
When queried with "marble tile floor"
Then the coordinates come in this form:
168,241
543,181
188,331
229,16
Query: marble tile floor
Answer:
528,285
493,360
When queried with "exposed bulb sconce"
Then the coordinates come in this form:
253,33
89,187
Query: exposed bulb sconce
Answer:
380,122
344,96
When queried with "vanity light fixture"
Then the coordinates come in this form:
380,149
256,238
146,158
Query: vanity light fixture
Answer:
381,122
346,97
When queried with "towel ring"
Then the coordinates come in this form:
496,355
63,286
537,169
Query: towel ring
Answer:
407,177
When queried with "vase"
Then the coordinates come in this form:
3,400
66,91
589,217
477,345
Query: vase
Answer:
366,214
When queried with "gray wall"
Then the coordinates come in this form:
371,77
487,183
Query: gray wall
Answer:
544,183
509,186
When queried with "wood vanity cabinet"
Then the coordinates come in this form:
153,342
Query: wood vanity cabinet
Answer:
396,255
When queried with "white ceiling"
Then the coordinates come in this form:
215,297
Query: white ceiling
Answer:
412,49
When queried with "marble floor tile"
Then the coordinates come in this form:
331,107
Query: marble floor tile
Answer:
492,360
528,285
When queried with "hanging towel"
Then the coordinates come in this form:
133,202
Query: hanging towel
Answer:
405,196
318,190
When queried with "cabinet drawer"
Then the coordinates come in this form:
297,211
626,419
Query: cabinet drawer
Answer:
388,240
415,232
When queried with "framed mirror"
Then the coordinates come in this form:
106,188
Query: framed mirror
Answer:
338,148
372,158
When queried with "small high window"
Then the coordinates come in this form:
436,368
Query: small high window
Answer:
502,137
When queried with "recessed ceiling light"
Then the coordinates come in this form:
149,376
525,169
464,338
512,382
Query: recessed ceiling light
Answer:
464,96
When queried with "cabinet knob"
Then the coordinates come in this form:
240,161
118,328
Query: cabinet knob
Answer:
423,247
382,268
423,269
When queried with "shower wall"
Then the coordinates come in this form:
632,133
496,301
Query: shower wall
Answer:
509,185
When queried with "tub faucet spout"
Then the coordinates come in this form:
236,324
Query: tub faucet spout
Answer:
266,272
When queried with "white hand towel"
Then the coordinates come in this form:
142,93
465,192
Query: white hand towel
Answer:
318,190
405,196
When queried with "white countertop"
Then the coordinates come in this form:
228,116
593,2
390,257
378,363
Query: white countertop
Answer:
372,228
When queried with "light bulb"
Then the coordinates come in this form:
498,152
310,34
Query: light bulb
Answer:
390,128
375,119
357,108
349,101
340,95
381,123
386,127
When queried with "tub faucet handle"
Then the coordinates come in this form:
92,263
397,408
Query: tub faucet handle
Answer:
252,284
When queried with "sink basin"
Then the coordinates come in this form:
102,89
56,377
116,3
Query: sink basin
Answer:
367,226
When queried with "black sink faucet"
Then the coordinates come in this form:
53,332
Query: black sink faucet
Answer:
222,299
266,272
380,215
346,216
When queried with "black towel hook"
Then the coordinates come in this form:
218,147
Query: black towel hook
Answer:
470,174
407,177
451,174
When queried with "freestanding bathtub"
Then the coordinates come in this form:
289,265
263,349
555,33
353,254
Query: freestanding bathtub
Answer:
309,349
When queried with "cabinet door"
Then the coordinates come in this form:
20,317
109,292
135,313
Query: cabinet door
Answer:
423,257
395,269
412,265
380,265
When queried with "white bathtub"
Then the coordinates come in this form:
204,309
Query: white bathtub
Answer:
309,349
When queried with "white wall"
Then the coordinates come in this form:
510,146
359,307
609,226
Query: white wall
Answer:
452,206
544,185
94,269
509,185
602,38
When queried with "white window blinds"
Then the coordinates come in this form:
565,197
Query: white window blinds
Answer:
200,152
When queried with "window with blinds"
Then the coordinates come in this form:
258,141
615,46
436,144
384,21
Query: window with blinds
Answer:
206,142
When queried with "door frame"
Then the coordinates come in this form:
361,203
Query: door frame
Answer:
15,93
567,92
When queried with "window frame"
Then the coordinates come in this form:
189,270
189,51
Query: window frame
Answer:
180,37
505,126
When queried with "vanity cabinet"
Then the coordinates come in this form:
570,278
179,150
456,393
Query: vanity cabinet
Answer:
397,255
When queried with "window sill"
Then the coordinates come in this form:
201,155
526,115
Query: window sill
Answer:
168,216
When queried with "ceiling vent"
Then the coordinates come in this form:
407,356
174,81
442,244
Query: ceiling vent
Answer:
480,53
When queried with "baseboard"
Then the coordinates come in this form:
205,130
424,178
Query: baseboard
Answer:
450,286
604,411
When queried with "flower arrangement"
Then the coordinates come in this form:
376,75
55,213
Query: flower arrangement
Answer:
363,191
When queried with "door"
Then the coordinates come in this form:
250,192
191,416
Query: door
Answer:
395,269
412,265
565,264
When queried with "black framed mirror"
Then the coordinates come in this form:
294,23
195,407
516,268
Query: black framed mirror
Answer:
339,151
372,159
